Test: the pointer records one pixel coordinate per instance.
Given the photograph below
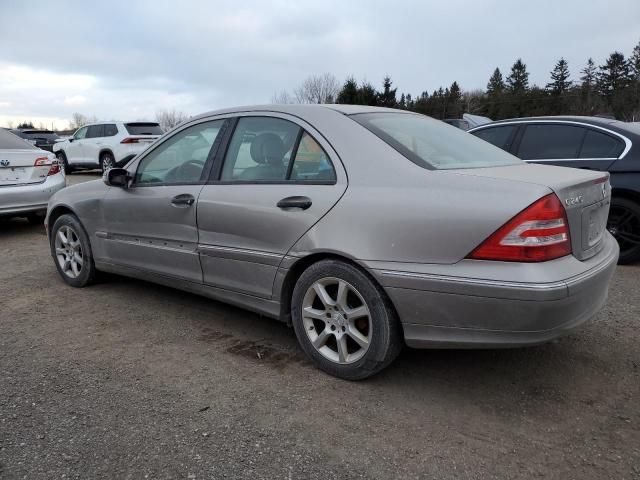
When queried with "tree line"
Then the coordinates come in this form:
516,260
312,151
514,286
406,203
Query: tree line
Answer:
609,89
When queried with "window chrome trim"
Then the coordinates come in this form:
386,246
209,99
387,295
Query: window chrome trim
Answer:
627,141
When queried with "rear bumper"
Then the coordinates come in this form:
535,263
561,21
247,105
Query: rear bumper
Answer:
440,311
16,200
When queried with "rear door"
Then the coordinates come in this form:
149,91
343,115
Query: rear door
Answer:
151,225
277,179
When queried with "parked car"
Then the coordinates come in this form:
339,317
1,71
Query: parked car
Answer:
590,143
364,228
44,139
106,144
28,178
467,121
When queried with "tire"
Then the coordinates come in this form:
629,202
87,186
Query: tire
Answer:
624,225
107,161
350,348
66,254
62,159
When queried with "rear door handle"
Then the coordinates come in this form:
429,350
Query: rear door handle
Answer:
295,202
183,200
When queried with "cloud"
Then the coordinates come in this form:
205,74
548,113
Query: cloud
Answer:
129,59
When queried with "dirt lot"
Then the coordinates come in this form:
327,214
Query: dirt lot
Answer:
127,379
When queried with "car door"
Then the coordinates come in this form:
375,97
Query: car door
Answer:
151,225
75,149
93,143
279,176
563,144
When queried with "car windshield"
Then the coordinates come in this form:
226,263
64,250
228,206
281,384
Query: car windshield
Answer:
433,144
9,141
144,129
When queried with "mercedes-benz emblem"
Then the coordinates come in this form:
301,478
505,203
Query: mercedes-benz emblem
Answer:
5,163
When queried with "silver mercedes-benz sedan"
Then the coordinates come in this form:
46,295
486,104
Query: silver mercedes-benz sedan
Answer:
364,228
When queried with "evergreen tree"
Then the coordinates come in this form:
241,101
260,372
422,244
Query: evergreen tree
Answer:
367,95
495,91
615,75
22,125
454,101
349,92
387,98
518,81
410,102
587,88
634,62
403,102
560,82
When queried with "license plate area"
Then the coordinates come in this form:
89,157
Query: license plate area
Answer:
11,174
594,224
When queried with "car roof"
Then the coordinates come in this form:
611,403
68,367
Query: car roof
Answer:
610,123
300,109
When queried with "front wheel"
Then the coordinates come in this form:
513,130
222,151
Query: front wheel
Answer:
624,225
62,160
71,251
343,321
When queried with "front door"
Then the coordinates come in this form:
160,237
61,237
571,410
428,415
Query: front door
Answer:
151,226
75,149
277,180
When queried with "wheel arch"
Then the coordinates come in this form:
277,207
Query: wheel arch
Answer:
55,213
107,150
292,275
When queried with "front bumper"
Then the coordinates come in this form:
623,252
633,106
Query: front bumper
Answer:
24,199
485,311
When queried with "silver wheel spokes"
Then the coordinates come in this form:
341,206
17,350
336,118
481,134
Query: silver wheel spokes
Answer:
68,251
107,163
336,320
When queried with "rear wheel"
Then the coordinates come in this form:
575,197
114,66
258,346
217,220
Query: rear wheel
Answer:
71,251
624,225
62,160
107,162
344,321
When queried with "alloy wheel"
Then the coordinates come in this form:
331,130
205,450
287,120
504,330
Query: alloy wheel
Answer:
624,225
69,251
107,162
337,320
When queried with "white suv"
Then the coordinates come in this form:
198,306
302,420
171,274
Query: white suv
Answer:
105,145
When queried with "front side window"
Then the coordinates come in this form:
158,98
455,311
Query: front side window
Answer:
95,131
180,159
501,137
431,143
80,134
600,145
550,141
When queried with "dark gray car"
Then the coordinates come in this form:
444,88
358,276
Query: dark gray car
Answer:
364,228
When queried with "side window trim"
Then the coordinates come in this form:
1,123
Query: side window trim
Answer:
218,163
206,170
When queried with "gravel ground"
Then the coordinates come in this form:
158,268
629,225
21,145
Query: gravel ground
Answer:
127,379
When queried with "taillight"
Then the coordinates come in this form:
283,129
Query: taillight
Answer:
130,140
537,234
53,165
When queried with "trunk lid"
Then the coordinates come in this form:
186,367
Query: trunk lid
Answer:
17,167
585,195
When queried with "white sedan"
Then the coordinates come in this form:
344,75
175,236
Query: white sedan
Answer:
28,178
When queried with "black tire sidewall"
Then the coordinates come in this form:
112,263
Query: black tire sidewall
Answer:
88,272
634,254
385,342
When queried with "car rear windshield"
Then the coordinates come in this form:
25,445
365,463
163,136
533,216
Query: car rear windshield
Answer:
433,144
140,128
9,141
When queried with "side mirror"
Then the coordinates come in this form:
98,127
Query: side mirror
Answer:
117,177
70,139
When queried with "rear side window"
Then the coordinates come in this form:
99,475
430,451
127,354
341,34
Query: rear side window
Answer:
600,145
501,137
311,162
550,141
431,143
110,130
143,128
95,131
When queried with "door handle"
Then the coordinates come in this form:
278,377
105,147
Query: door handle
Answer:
183,200
295,202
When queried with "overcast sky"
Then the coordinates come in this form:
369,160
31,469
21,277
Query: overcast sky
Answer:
126,60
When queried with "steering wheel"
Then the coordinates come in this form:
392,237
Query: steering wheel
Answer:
186,170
